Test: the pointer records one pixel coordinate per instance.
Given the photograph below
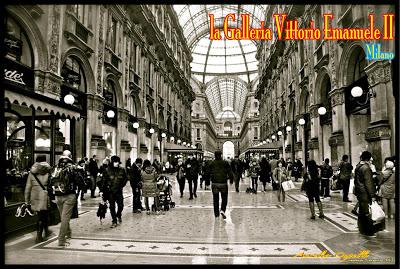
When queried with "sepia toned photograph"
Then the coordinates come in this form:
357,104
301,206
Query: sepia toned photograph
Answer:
216,134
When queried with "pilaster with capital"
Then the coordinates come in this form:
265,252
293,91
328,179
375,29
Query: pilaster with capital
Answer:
337,96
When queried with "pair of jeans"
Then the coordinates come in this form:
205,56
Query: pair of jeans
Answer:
181,183
136,204
237,180
346,186
116,199
254,183
192,186
65,205
325,187
156,203
218,188
93,185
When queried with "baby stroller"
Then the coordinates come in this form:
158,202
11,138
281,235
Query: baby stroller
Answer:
165,189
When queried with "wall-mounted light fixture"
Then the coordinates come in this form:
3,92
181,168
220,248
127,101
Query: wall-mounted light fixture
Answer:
151,130
135,125
69,99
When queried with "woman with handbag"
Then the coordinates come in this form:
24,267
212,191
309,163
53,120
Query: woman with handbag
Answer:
310,185
37,196
280,175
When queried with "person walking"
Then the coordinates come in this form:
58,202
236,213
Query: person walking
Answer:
180,176
149,177
297,170
365,192
387,187
114,180
37,197
254,171
65,180
93,170
235,166
326,174
265,171
311,182
280,175
345,176
135,179
82,190
192,174
219,172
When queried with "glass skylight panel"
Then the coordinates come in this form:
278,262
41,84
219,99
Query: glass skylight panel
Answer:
199,58
235,59
197,67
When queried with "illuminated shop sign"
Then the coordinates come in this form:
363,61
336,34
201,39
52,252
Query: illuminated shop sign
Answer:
18,74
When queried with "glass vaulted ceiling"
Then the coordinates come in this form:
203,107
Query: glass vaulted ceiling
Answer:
225,66
219,57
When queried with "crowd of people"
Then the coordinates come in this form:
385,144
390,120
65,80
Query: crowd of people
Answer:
68,182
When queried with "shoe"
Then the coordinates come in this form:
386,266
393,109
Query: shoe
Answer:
237,190
48,233
195,195
113,225
322,216
63,244
38,239
135,211
181,195
120,220
369,235
83,199
190,198
223,214
148,212
312,217
354,212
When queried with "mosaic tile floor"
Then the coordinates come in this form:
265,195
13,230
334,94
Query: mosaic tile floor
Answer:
258,230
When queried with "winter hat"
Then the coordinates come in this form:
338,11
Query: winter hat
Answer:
115,159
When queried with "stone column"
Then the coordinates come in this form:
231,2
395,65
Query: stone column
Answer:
379,132
122,134
94,126
314,143
336,141
300,150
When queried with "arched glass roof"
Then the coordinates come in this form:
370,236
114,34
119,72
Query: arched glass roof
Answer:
226,94
228,113
213,58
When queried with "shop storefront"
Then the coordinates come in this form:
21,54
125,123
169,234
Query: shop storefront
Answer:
35,124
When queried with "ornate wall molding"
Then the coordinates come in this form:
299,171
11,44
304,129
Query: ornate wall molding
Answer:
100,53
378,72
337,139
54,42
337,96
378,132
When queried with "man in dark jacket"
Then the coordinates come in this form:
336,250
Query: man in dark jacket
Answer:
365,192
192,174
135,180
237,171
114,180
345,176
326,174
219,171
93,170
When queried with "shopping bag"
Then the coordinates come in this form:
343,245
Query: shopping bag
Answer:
288,185
376,212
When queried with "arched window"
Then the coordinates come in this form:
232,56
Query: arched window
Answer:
109,94
17,45
133,106
361,63
73,75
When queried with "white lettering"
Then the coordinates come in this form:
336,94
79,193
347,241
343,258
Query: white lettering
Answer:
14,76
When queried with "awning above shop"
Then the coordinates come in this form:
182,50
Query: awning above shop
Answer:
180,149
266,148
41,105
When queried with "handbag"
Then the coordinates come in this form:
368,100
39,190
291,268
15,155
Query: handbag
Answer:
376,212
49,190
288,185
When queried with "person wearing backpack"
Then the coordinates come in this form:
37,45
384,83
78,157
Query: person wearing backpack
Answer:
114,180
65,180
36,195
326,174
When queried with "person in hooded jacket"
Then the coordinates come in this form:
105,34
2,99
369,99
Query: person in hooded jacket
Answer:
114,180
387,186
149,177
180,176
37,197
135,179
